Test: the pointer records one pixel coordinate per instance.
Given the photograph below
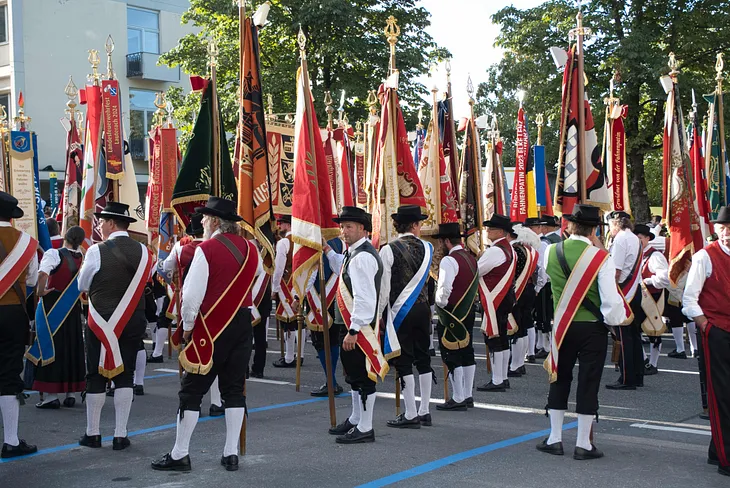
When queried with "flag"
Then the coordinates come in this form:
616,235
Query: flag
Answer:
372,129
614,153
494,185
92,153
153,197
337,156
447,133
396,181
568,188
280,144
418,144
470,189
71,197
716,159
542,185
252,163
677,202
361,196
44,236
701,203
312,210
194,182
523,203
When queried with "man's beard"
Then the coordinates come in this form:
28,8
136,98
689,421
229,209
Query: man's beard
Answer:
207,231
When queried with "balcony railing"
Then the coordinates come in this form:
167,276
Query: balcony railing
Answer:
144,65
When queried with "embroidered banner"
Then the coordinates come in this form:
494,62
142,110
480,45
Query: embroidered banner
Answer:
22,184
112,117
280,144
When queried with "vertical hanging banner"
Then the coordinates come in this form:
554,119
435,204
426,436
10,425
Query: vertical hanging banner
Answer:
170,158
153,198
112,117
615,154
280,146
518,206
53,190
361,195
44,237
22,184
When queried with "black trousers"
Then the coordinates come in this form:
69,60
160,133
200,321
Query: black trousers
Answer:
544,309
587,342
414,336
501,342
716,344
230,360
129,342
631,359
523,310
353,362
458,357
14,328
259,346
287,326
318,338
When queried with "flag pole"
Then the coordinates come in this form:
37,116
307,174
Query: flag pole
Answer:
579,32
109,47
216,162
477,167
539,121
721,125
302,41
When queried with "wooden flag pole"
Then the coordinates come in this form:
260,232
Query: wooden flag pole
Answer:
212,51
579,33
721,123
298,358
397,394
446,382
329,367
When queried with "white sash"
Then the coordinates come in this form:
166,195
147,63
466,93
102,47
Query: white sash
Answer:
489,319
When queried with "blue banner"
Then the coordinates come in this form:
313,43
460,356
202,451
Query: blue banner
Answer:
44,237
540,176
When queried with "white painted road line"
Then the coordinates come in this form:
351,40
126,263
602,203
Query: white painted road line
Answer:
673,429
167,370
270,382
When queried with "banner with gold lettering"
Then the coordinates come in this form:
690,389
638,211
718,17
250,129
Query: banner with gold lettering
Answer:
112,117
170,155
280,146
615,154
22,184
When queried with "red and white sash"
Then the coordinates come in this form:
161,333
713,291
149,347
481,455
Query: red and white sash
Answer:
521,283
314,317
653,325
258,292
284,312
492,299
367,340
635,275
16,262
108,331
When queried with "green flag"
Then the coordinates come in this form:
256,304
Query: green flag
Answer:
195,180
716,177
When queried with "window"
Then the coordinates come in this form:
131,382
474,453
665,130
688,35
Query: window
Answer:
5,102
3,24
143,31
141,115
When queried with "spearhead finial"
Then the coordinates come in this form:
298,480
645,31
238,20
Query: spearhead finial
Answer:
94,78
470,90
212,53
673,66
420,118
302,42
329,109
719,66
71,92
109,47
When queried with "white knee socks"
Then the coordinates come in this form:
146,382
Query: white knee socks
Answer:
356,407
94,404
457,382
122,406
234,420
556,426
469,372
505,364
654,354
289,346
409,397
678,339
10,408
160,338
139,367
692,333
366,418
531,342
585,422
185,428
215,393
497,368
425,382
539,341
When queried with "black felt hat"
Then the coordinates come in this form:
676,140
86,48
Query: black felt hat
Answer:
643,230
585,214
286,219
449,230
9,206
116,211
532,222
499,222
220,207
550,220
723,216
355,214
195,227
408,213
619,214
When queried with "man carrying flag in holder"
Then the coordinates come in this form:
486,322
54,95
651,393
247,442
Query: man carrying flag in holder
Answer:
114,274
586,299
282,287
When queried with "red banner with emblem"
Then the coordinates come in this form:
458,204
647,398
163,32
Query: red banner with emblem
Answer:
112,117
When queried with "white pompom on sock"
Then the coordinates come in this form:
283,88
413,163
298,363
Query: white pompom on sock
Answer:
458,384
678,338
94,405
185,428
425,381
356,407
139,367
409,396
122,406
585,422
556,426
215,393
10,409
234,420
469,372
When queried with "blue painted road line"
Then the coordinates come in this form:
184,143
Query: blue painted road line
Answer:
455,458
67,447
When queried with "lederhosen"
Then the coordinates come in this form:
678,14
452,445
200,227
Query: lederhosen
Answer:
501,342
522,310
544,299
260,343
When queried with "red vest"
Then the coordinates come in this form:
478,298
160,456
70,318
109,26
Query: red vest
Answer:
222,269
61,276
467,269
187,251
713,298
57,242
493,277
645,273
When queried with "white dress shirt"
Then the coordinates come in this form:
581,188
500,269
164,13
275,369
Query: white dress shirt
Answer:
362,271
625,250
542,276
448,270
492,257
386,256
51,259
612,303
282,251
196,284
31,274
169,265
659,266
700,270
92,262
659,243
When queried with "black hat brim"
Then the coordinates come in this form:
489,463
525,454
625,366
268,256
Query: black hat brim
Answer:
592,223
365,222
214,213
111,216
720,221
408,218
17,213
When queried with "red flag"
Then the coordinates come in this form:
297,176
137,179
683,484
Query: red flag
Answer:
72,185
702,202
615,154
518,204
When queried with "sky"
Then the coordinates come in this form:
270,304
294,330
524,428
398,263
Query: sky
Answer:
465,29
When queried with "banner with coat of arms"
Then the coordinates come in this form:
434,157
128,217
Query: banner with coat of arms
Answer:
280,145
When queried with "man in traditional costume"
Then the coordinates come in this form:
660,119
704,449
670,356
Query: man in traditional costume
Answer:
626,254
19,270
260,315
216,318
549,234
705,302
58,349
580,267
114,274
497,266
456,293
406,263
356,316
654,279
283,288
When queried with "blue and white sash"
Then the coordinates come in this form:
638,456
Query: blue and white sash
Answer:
47,324
403,304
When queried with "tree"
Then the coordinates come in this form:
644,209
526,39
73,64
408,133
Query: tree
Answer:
632,38
346,49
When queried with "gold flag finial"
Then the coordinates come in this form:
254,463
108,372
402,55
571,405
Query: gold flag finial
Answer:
373,102
719,66
94,78
212,53
3,119
302,42
71,92
109,47
470,90
420,118
161,106
673,66
270,107
358,132
539,120
329,109
392,32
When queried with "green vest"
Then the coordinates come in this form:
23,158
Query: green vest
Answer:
573,249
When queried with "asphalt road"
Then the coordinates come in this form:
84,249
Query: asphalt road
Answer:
652,437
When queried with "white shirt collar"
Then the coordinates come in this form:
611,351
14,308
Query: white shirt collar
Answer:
724,248
457,247
358,244
574,237
119,233
215,233
5,224
406,234
288,233
494,243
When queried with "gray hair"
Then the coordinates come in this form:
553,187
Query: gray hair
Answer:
623,223
228,226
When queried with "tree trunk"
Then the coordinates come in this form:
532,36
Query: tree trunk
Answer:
639,195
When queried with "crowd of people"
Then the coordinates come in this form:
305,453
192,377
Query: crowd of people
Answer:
543,289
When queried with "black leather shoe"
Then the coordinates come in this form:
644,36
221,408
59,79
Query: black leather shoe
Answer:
522,370
322,391
677,355
156,359
469,402
581,454
531,359
216,411
54,405
90,441
120,443
230,462
450,404
724,470
541,354
139,390
22,449
620,386
354,436
704,415
255,374
650,370
506,384
342,429
555,449
492,387
425,420
166,463
69,402
401,422
281,363
514,374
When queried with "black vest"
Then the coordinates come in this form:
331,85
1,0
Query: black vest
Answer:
551,238
408,254
345,277
113,278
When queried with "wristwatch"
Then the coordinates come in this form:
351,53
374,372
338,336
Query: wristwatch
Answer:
353,332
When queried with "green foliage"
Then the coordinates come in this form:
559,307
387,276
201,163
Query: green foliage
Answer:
632,38
346,49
